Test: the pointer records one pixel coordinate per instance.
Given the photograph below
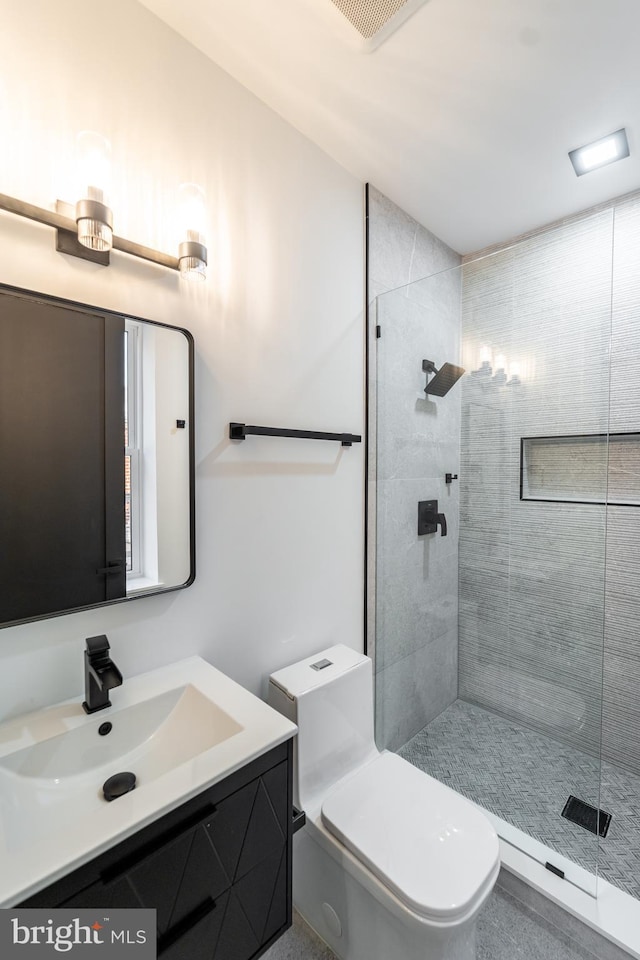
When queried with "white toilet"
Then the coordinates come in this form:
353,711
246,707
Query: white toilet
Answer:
391,865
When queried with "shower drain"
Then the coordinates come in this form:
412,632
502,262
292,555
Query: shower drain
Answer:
594,820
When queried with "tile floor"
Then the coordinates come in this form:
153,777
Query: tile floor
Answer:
507,930
525,778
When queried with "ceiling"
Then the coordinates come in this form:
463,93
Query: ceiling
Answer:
463,116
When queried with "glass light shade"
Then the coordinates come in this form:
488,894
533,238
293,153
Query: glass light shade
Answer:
93,167
95,234
192,213
193,268
192,255
192,258
93,216
95,225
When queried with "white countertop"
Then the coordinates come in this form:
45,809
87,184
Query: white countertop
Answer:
49,826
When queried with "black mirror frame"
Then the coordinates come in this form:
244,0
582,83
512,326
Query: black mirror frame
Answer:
152,592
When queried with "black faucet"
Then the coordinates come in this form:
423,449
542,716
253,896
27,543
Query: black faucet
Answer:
100,674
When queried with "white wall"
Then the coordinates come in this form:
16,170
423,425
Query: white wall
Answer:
278,331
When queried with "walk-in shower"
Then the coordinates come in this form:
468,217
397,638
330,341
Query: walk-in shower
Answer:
507,654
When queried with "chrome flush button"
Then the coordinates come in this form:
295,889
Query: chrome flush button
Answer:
321,664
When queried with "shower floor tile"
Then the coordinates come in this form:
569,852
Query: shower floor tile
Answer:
525,777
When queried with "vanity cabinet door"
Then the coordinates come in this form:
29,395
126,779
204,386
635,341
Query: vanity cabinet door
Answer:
151,883
247,837
104,896
179,879
198,940
217,871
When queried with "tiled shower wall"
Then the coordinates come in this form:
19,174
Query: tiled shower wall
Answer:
413,599
550,591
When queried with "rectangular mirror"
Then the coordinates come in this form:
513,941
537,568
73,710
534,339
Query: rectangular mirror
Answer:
96,457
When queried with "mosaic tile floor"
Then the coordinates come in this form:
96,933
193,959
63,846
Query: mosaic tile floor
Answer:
525,778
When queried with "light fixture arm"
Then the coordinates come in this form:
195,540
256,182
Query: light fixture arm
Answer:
23,209
145,253
67,235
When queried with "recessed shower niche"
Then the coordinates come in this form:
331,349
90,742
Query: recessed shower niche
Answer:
596,468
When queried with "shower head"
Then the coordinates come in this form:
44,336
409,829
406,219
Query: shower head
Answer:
444,379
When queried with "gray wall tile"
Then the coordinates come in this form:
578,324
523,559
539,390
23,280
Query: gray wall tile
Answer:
415,690
533,649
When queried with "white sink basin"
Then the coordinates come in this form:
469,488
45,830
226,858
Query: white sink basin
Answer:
148,738
178,729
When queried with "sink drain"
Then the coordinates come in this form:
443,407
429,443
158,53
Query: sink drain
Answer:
117,785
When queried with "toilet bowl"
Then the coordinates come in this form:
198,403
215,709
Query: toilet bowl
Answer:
391,864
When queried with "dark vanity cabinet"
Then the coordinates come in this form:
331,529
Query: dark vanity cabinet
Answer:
217,869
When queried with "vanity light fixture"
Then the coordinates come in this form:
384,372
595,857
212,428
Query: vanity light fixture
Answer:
608,149
86,230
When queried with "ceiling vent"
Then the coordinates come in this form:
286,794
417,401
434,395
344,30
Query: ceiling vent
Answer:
375,20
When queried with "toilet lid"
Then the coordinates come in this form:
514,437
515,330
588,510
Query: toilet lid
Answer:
433,849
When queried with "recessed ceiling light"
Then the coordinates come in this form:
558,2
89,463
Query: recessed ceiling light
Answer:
597,154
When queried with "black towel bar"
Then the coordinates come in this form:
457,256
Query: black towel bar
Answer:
238,431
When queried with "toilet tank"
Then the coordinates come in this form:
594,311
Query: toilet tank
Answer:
330,698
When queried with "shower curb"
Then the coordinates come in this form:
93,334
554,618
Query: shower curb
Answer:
572,911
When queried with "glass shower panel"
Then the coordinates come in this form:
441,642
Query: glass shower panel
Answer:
418,444
620,787
489,643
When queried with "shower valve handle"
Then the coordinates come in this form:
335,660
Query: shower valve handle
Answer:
429,519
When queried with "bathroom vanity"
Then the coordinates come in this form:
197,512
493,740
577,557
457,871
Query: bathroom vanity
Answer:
217,870
214,859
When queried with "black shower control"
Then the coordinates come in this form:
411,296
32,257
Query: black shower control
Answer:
448,477
429,519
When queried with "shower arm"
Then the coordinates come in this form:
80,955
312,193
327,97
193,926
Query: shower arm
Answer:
428,367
